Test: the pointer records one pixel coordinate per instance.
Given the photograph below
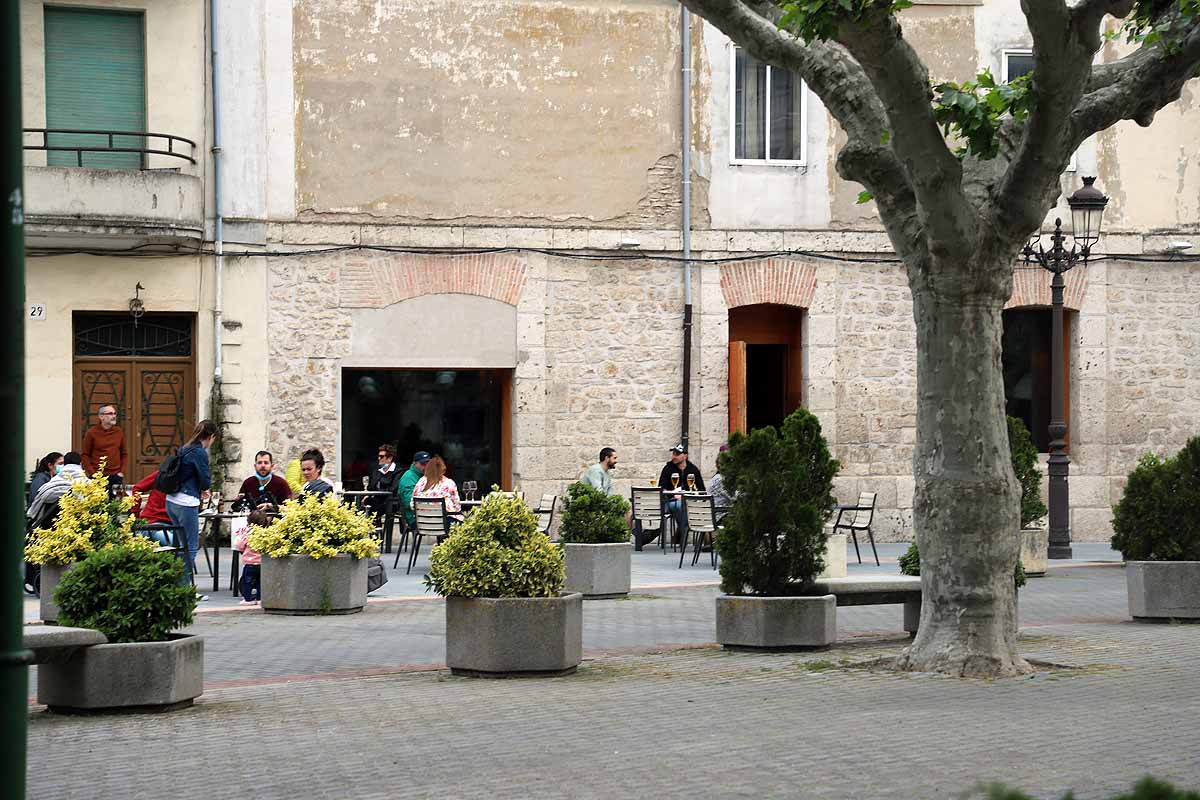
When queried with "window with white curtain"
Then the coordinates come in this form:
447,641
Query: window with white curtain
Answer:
767,112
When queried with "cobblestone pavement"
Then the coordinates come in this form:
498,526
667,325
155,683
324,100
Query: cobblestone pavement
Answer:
357,707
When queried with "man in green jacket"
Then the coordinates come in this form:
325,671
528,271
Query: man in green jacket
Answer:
408,482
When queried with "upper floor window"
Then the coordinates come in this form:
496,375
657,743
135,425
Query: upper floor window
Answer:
95,81
767,110
1018,63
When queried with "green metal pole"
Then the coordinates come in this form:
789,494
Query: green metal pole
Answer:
14,674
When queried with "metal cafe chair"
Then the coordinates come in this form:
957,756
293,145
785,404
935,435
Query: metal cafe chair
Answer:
432,520
647,502
858,518
174,535
545,512
702,525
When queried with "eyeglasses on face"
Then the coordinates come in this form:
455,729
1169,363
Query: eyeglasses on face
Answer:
384,455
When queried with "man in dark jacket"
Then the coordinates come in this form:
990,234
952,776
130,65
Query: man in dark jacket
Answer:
385,478
264,490
674,479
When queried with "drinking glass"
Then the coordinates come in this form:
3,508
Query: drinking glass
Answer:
691,482
675,481
366,482
653,482
470,487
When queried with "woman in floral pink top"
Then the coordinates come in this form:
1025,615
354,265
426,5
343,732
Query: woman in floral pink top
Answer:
436,484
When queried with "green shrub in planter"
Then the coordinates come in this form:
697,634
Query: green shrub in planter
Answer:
320,527
773,539
592,517
130,594
910,564
1024,456
1158,517
497,552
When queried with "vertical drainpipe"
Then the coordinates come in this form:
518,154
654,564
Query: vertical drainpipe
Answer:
686,222
14,660
219,220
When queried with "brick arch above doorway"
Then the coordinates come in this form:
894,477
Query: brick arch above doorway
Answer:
381,280
1031,287
778,281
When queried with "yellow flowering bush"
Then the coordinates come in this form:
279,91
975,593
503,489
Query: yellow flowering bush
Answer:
317,527
87,521
497,552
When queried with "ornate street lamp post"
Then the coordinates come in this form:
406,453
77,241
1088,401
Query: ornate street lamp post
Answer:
1087,208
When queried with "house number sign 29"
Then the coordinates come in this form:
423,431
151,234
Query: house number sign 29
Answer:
37,312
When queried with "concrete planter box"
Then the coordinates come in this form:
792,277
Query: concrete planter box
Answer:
1035,543
835,555
138,676
776,623
1163,589
514,636
51,575
306,585
598,571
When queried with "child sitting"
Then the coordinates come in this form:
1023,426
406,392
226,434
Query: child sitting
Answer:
251,560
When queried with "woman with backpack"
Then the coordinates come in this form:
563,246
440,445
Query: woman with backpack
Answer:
192,479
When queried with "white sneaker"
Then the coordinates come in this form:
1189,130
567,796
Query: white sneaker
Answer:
201,597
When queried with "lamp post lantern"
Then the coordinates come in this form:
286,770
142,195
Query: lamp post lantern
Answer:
1087,209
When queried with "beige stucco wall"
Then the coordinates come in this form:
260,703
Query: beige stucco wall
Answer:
175,70
464,110
88,283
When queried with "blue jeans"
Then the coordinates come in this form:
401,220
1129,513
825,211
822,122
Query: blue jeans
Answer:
188,518
249,583
679,514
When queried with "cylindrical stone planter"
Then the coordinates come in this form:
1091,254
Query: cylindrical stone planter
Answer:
1163,589
1035,544
505,637
776,623
51,575
598,571
304,585
149,676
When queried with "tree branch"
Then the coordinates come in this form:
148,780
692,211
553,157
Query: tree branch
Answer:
1137,86
1062,63
902,83
844,89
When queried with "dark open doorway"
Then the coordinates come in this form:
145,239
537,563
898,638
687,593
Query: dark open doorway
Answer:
1025,360
765,365
461,415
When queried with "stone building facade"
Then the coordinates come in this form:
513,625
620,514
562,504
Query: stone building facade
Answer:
496,188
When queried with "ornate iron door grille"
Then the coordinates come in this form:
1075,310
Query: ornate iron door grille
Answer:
154,335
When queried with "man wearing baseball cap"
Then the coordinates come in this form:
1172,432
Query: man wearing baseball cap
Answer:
680,466
408,482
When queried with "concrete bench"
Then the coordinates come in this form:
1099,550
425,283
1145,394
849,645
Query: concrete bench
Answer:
877,590
55,643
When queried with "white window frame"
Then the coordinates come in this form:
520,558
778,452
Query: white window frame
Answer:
767,160
1073,166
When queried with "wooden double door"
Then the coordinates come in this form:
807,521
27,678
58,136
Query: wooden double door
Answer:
155,401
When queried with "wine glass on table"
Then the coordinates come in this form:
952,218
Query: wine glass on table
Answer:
470,487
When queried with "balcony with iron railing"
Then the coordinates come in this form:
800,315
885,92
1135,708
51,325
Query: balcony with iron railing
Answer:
102,189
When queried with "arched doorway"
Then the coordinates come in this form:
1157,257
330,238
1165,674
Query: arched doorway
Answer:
766,365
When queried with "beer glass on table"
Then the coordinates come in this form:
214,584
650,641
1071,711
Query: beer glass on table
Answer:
691,481
675,481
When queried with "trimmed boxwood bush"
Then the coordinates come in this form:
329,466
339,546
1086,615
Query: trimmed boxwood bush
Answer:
1158,517
130,594
497,552
773,540
591,516
1024,456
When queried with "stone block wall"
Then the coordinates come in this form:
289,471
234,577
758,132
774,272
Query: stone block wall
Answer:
598,346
